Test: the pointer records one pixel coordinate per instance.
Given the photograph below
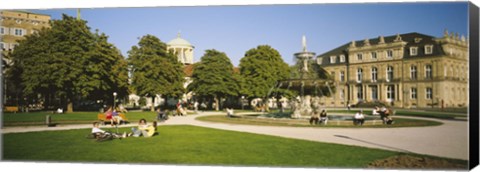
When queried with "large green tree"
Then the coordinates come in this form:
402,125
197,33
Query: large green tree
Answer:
155,71
214,77
261,68
69,62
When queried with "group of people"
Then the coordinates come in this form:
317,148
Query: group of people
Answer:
143,129
385,114
319,117
113,115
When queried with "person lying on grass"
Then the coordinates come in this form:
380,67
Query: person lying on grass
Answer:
143,129
99,133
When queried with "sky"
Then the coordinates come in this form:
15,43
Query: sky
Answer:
236,29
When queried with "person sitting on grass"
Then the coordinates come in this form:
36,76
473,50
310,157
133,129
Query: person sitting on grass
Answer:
315,117
359,118
143,129
323,117
162,115
99,133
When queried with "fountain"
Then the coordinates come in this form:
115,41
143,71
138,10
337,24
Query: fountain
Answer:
308,83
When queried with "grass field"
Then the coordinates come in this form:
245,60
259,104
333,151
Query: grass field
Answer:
190,145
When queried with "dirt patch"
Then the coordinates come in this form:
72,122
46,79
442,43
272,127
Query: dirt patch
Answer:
412,162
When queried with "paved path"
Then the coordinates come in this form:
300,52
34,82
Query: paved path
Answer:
447,140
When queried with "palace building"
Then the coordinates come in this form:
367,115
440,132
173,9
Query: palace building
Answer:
409,70
15,25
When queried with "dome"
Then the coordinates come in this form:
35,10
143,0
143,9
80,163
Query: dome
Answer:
179,42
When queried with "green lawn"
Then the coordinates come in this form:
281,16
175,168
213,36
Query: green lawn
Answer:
38,118
399,122
189,145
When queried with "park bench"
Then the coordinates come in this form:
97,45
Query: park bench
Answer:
103,118
11,109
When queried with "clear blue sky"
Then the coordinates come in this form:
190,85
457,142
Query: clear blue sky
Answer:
236,29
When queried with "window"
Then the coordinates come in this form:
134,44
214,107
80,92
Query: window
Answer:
359,56
389,53
413,93
332,59
374,55
428,71
429,93
413,72
428,49
3,31
359,74
18,32
3,46
342,76
374,92
390,92
319,60
374,74
342,58
389,73
413,51
359,92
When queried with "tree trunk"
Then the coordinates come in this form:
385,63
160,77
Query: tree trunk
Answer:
69,106
152,108
216,103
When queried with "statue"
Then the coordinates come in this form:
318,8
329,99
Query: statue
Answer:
304,43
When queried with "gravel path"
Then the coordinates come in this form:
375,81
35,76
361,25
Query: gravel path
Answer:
447,140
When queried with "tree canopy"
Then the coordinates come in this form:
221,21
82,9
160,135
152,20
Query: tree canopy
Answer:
261,68
214,76
154,70
68,61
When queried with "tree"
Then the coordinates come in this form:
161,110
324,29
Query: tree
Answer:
69,62
261,68
213,77
155,71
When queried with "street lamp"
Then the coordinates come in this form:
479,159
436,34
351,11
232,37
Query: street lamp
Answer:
114,99
243,101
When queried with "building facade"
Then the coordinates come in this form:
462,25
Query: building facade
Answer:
15,25
410,70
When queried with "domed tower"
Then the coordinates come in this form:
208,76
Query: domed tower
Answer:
182,48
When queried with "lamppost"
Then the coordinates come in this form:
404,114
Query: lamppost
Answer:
243,101
114,99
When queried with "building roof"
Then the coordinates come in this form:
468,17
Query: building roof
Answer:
178,41
413,39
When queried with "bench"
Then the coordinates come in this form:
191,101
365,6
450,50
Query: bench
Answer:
11,109
101,117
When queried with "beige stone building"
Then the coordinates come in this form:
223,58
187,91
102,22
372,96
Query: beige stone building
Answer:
15,25
410,70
